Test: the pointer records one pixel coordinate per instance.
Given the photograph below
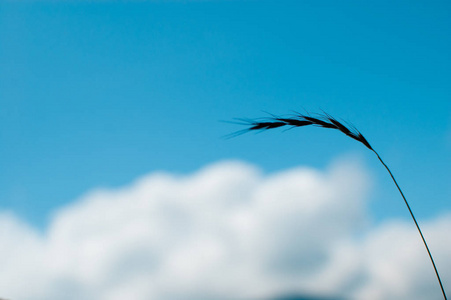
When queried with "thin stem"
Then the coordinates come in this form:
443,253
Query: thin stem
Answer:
416,224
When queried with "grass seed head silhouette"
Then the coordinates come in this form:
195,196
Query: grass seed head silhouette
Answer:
325,120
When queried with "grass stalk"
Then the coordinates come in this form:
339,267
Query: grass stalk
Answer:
326,121
416,224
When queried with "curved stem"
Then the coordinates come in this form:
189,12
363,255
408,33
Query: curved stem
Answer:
416,224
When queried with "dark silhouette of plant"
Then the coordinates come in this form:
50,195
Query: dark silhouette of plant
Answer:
326,121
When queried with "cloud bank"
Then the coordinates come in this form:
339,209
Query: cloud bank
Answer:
227,231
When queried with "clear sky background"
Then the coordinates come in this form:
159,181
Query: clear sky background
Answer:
95,94
98,93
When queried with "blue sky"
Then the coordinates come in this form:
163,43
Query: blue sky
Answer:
96,94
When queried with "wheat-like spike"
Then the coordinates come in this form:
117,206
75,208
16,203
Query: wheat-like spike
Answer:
327,121
299,120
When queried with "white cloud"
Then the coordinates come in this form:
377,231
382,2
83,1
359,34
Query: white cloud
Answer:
397,265
225,232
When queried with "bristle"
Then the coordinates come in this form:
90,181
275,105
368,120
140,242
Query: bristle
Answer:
340,126
319,122
295,122
364,141
266,125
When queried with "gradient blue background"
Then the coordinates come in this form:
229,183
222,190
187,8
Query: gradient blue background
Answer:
96,94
